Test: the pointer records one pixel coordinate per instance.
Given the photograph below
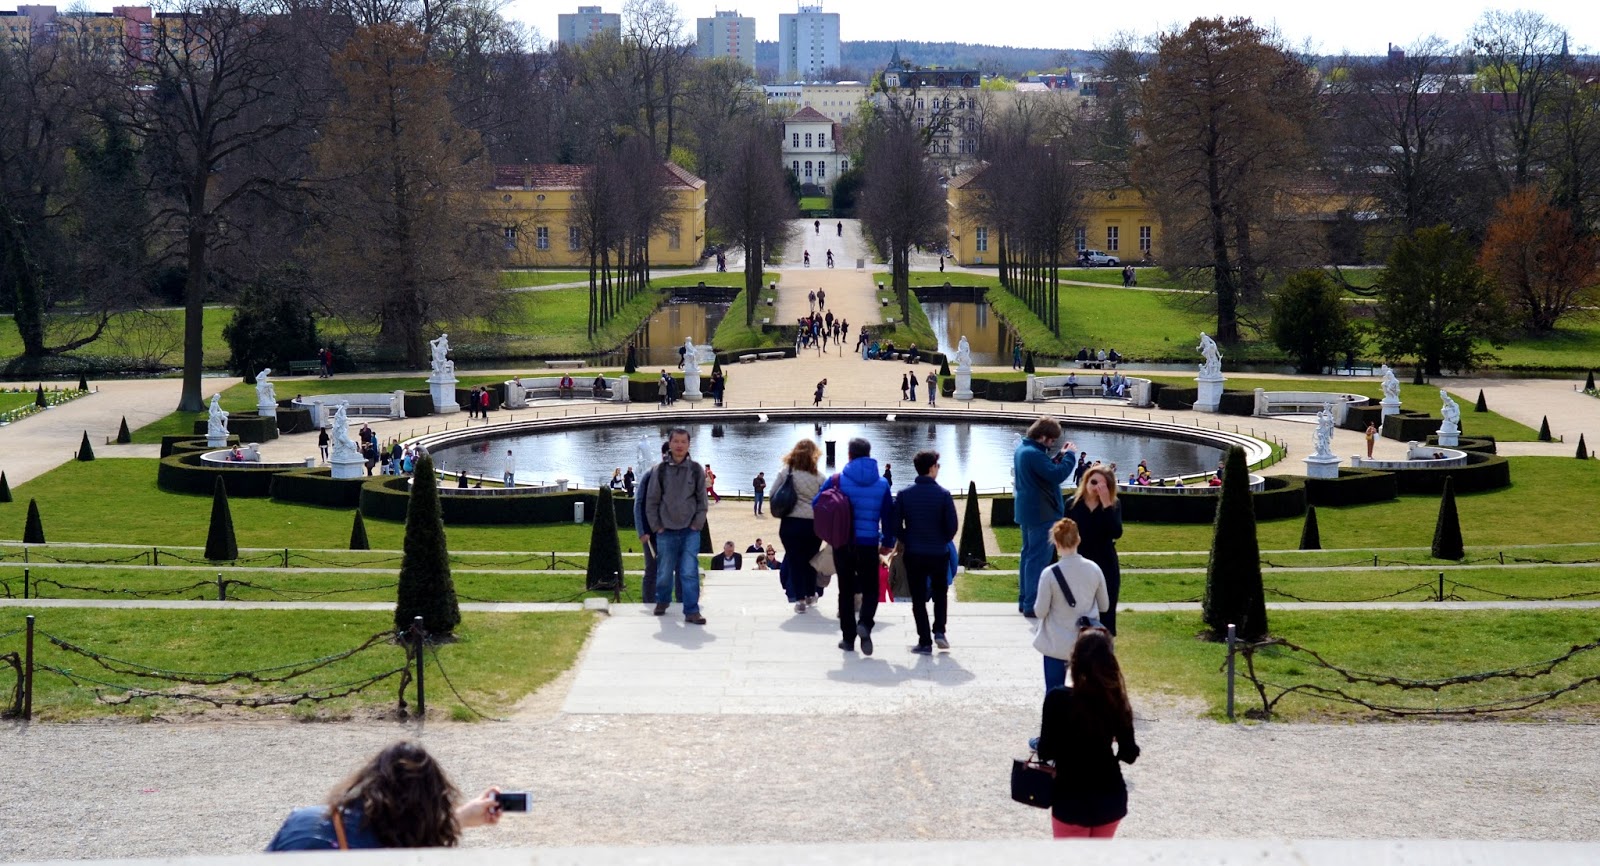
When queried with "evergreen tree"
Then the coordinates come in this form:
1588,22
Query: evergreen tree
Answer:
605,551
38,397
1544,429
83,382
1027,366
426,589
124,435
1588,384
705,538
1447,542
358,533
970,552
33,533
1583,450
1233,574
85,450
944,366
5,488
220,541
1310,536
1483,405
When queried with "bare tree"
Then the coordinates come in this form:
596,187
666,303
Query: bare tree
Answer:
621,203
659,53
752,206
1570,147
1520,59
902,203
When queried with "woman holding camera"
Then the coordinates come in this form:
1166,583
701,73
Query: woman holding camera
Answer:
399,799
1080,723
1099,517
1068,590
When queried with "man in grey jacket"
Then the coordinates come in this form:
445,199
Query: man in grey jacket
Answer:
641,525
675,510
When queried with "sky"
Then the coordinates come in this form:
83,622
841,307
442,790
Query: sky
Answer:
1359,26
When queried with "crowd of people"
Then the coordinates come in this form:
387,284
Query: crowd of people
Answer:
818,327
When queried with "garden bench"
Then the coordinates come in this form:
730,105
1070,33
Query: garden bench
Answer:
566,362
301,368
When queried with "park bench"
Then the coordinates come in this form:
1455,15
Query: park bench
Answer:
565,362
1048,392
304,368
549,387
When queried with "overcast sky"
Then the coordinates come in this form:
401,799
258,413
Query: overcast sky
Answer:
1360,26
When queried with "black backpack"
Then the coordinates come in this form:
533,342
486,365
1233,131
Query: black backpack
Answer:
784,499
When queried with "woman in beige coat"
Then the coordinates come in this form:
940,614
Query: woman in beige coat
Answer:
1071,588
797,529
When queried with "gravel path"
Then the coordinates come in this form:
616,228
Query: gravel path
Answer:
104,790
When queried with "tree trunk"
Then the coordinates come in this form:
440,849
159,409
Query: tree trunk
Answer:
194,310
28,311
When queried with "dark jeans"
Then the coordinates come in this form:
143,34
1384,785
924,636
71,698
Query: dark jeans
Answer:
858,572
761,496
800,543
929,575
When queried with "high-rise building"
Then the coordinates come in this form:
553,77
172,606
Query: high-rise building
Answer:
808,43
727,34
587,23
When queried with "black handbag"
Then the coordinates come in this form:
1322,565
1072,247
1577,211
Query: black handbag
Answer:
784,499
1032,782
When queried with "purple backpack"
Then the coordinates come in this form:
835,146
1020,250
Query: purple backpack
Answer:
832,519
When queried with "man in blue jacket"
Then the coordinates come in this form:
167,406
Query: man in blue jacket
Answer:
872,517
927,524
1038,471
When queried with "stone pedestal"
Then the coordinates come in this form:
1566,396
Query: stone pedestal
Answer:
267,410
1033,388
216,441
1210,393
346,468
691,385
1391,406
1449,435
443,387
1322,467
963,385
619,390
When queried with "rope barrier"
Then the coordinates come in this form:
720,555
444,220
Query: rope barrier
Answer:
133,693
453,690
210,678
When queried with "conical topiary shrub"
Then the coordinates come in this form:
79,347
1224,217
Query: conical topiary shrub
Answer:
38,397
83,382
33,532
1027,366
970,551
716,364
1583,449
124,435
5,488
1588,384
85,450
221,544
705,538
1233,574
1447,542
426,588
605,551
1310,536
632,365
1482,405
1544,429
358,533
944,367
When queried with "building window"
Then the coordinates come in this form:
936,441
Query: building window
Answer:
808,168
510,233
1144,240
822,169
822,139
1111,239
983,239
794,167
797,139
844,165
675,236
808,139
574,238
541,238
1081,239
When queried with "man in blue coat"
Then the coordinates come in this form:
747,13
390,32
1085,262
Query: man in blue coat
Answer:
927,525
1038,471
873,520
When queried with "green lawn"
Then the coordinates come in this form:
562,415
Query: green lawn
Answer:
15,400
733,334
497,659
917,333
815,202
155,336
532,279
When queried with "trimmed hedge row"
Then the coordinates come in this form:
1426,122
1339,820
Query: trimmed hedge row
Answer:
248,426
386,498
1232,403
294,420
184,473
1284,496
1172,398
1352,487
1001,391
1482,472
1358,417
418,403
179,444
1410,426
317,487
1473,445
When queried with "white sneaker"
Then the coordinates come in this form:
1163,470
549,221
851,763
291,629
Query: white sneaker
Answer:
811,601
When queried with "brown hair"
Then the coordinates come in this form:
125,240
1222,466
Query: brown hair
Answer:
1045,426
1099,693
1064,533
803,457
406,800
1083,483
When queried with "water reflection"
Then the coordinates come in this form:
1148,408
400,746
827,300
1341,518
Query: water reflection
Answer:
737,451
986,332
662,335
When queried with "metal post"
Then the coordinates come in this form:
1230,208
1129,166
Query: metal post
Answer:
26,578
27,674
1231,635
286,557
222,588
616,587
155,556
418,636
1441,586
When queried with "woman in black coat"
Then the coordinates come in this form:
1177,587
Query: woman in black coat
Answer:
1099,517
1080,724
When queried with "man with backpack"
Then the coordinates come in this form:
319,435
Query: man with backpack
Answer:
675,509
855,513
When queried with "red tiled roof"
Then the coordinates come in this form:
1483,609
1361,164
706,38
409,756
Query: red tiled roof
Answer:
549,175
969,177
808,115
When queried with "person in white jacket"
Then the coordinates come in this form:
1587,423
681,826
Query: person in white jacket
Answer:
1069,589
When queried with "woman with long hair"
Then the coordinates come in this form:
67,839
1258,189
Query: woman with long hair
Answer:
797,529
1099,517
400,798
1069,589
1080,723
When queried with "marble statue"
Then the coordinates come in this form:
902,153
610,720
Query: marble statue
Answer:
442,365
1211,367
1391,385
345,449
1324,435
266,392
1449,411
217,424
649,453
964,355
691,356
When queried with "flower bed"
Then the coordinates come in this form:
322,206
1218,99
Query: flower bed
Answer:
52,397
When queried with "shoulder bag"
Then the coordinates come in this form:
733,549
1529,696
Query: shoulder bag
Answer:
785,498
1032,781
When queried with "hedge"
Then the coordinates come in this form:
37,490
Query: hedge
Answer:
178,444
1284,496
418,404
1352,487
1172,398
1238,403
248,426
1410,426
1482,472
317,487
496,397
385,498
1358,417
1473,445
294,420
184,473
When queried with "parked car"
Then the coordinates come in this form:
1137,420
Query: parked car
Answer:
1096,258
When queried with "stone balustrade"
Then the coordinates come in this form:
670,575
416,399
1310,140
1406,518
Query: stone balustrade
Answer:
322,406
1042,388
1418,456
1306,403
